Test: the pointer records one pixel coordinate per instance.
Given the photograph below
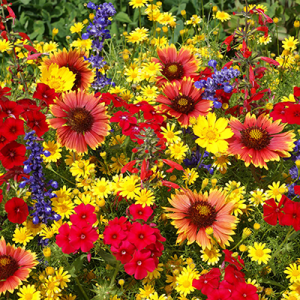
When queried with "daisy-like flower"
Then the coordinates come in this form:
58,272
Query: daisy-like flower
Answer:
222,16
15,266
74,61
133,75
22,236
5,45
293,272
59,79
28,292
264,40
102,188
80,121
211,256
276,190
194,212
137,36
175,65
151,68
144,197
169,133
190,176
54,149
184,281
178,150
118,163
129,187
259,253
62,277
290,43
137,3
221,161
212,133
183,101
77,27
258,140
258,197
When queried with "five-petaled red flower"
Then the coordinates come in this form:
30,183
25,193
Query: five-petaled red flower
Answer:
17,210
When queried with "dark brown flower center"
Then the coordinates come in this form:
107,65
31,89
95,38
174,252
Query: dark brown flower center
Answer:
202,214
77,73
173,70
80,120
255,137
8,267
183,104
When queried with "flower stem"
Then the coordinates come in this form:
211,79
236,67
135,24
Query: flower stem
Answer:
81,289
49,167
115,273
282,244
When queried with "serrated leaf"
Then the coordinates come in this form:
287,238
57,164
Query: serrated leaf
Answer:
122,17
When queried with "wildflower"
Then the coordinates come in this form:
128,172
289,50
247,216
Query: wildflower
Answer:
129,187
175,65
236,261
243,290
184,282
54,149
208,281
17,210
221,161
144,197
276,190
28,292
137,3
114,235
258,197
297,24
190,176
222,16
169,133
139,212
202,211
141,235
133,75
137,36
77,27
47,251
45,93
183,101
84,215
86,120
12,128
272,211
12,260
124,252
259,253
151,68
257,142
211,256
178,151
212,133
22,236
102,188
5,45
291,215
63,207
12,154
290,43
62,277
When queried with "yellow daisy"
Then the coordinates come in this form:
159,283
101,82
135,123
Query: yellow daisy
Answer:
290,43
211,256
170,135
129,187
258,197
144,197
190,176
22,236
5,45
259,253
293,272
54,149
276,190
137,3
28,292
102,188
77,27
177,151
222,16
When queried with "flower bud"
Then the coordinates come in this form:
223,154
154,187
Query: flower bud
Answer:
275,20
246,232
54,31
243,248
297,24
47,252
256,226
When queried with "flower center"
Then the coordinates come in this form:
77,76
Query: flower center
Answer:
202,214
139,263
183,104
173,71
141,236
259,253
80,120
255,137
82,236
211,135
8,267
186,284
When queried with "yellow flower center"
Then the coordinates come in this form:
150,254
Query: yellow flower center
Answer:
295,273
203,210
130,187
4,261
183,102
28,296
259,253
170,135
102,188
221,15
290,44
55,85
276,192
51,286
256,134
173,68
186,284
211,135
81,165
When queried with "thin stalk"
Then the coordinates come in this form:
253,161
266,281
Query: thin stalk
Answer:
50,168
81,289
115,273
284,241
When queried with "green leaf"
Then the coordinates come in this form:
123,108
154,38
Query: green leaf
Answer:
46,16
38,30
25,1
109,258
76,265
122,17
177,30
181,7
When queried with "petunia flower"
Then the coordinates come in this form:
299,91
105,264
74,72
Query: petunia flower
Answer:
139,212
84,215
12,154
208,282
141,235
17,210
274,212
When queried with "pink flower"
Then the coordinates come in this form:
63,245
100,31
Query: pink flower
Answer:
83,238
138,212
63,240
114,235
140,264
124,252
141,235
85,215
208,282
244,291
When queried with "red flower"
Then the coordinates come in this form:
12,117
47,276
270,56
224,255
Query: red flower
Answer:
233,275
28,105
84,215
3,139
123,222
4,92
37,121
83,238
233,261
151,114
279,111
140,264
293,114
292,214
297,92
124,252
208,282
129,167
17,173
138,212
219,295
63,240
270,61
228,42
244,291
173,165
123,118
45,93
17,210
13,128
272,212
114,235
12,154
141,235
10,108
297,189
1,195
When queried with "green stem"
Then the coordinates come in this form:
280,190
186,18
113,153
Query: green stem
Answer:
133,52
115,273
81,289
284,241
201,159
237,244
50,168
140,17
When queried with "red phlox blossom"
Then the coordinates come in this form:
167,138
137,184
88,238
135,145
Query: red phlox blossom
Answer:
123,222
297,189
83,238
45,93
114,235
132,131
119,102
3,139
139,212
225,285
1,195
28,105
274,212
279,111
12,154
10,109
140,264
13,128
141,235
233,275
238,263
124,252
17,210
219,294
292,113
297,92
6,91
124,119
208,282
36,120
135,108
84,215
291,215
244,291
151,114
63,239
